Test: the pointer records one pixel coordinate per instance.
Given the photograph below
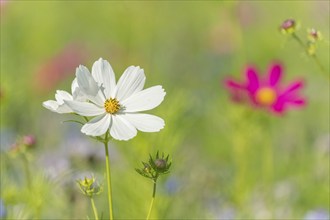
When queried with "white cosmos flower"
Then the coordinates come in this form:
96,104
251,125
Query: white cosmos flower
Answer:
116,107
59,106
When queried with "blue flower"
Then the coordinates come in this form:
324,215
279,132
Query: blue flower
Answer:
2,209
317,214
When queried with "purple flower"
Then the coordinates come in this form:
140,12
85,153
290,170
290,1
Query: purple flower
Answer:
318,214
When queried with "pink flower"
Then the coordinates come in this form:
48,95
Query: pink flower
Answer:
266,92
59,67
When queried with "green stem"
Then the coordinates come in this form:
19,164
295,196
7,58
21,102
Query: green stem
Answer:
318,63
94,209
152,199
299,40
108,175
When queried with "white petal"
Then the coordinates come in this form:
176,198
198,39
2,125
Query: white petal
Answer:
62,95
74,85
144,100
86,82
121,129
55,107
103,74
145,122
50,105
130,82
64,108
98,99
85,108
97,126
78,95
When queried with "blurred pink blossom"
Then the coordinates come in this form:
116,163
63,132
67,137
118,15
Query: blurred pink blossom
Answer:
266,92
60,67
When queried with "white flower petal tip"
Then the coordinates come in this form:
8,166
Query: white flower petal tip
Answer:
97,126
86,82
145,100
50,105
59,106
145,122
103,74
121,129
131,82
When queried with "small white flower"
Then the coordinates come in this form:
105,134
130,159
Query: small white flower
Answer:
116,107
59,106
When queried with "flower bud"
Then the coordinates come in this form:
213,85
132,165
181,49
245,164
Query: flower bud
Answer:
155,167
313,35
288,26
28,140
89,186
160,164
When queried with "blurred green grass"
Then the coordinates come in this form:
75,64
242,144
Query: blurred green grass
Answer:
226,158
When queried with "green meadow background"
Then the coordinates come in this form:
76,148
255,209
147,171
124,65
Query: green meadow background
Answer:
229,161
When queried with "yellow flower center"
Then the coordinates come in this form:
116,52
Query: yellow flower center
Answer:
111,105
266,96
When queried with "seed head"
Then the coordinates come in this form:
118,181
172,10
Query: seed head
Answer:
155,167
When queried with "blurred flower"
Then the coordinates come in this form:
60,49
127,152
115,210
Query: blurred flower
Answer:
266,93
313,35
289,26
319,214
2,209
2,5
29,140
116,106
225,213
59,67
22,143
155,167
172,185
89,186
59,106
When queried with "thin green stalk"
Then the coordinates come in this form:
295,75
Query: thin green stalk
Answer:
299,40
152,199
318,63
94,209
108,175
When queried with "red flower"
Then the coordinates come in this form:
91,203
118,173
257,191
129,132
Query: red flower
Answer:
266,92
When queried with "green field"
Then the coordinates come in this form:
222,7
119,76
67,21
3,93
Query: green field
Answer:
229,160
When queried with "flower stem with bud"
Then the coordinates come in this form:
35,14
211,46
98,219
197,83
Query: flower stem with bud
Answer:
152,170
313,55
90,188
289,26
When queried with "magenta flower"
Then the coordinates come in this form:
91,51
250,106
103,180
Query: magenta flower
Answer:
266,92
